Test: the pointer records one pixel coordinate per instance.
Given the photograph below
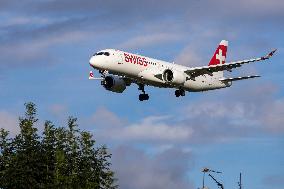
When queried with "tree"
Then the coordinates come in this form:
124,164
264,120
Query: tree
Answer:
6,155
26,166
58,158
49,151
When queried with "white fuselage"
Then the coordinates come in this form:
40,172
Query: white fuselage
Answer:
150,71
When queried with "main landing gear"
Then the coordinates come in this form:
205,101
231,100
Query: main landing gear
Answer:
180,92
142,96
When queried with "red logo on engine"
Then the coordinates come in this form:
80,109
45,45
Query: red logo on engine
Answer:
135,59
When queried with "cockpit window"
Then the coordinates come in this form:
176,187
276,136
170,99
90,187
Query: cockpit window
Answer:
102,53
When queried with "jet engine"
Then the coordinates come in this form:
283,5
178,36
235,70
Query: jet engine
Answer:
114,84
174,77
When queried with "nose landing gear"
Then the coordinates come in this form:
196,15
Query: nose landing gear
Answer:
180,92
143,96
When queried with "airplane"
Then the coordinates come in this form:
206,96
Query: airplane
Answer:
120,69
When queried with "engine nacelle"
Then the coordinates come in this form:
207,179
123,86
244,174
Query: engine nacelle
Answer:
173,76
114,84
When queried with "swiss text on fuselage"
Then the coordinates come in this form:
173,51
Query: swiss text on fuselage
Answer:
135,59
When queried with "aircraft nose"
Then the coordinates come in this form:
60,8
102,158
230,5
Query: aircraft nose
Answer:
92,61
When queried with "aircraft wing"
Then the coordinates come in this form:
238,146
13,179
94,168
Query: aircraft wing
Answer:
197,71
238,78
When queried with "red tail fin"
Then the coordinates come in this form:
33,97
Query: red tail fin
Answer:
220,54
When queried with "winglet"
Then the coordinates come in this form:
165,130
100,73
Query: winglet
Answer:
269,55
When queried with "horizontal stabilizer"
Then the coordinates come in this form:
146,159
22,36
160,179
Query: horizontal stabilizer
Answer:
238,78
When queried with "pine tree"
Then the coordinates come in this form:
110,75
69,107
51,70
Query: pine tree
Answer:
26,168
6,152
58,158
48,149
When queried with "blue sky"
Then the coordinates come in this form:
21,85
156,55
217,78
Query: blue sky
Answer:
45,47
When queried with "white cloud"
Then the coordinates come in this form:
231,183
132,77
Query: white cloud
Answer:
156,129
103,119
150,40
254,110
9,122
167,170
37,48
153,128
262,6
273,118
22,20
189,57
58,110
229,115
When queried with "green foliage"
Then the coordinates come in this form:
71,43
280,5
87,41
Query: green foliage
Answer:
58,158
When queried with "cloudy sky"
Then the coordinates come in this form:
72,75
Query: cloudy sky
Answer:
45,46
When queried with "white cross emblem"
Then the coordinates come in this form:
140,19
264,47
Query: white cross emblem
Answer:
220,56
